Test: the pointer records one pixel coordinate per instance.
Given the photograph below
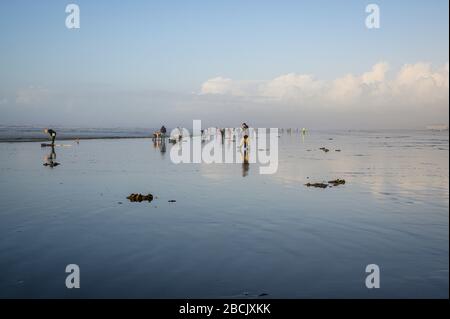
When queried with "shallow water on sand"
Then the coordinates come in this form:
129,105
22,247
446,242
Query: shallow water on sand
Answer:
231,232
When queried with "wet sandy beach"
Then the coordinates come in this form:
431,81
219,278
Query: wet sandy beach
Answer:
231,232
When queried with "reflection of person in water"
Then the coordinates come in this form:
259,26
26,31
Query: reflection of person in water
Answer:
245,152
222,134
160,143
50,159
162,147
245,163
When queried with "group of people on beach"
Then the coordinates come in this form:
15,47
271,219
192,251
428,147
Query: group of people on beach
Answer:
162,134
159,138
177,136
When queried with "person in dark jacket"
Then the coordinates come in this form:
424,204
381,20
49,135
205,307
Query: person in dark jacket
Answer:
52,134
163,130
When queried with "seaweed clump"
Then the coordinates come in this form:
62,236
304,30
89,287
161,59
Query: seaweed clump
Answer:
337,182
140,198
317,185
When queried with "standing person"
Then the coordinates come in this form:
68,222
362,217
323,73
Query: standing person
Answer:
163,131
244,128
52,134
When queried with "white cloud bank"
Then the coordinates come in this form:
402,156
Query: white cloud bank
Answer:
414,85
413,96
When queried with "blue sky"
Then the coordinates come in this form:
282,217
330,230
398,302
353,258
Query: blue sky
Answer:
173,47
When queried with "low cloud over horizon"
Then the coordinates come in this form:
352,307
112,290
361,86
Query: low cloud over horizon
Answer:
416,95
413,96
415,90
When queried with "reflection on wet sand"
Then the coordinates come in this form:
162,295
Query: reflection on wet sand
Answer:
50,159
387,170
273,222
245,162
160,144
382,172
